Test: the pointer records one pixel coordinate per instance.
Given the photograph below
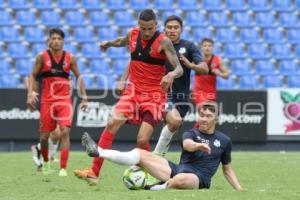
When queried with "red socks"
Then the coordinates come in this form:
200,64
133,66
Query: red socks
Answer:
44,151
64,155
105,142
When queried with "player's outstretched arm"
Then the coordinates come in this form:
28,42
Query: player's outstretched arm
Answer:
33,84
191,146
231,177
119,42
83,95
223,72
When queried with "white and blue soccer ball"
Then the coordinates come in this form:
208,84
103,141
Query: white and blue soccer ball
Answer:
135,178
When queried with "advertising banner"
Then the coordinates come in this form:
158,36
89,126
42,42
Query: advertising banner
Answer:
283,112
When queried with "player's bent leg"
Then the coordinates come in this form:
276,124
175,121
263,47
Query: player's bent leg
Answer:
184,181
144,136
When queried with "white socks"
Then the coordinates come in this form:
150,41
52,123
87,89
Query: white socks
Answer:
164,141
124,158
160,187
52,148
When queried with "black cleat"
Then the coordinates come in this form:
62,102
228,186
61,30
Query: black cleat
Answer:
90,145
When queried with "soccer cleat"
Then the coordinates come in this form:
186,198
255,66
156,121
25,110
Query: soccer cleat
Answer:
151,180
63,172
46,168
36,157
159,186
88,175
90,145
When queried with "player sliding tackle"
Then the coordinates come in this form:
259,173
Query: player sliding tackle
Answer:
203,150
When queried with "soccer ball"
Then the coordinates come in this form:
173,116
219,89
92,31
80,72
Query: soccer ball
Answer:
135,178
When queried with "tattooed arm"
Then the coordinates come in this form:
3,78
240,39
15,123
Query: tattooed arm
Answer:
119,42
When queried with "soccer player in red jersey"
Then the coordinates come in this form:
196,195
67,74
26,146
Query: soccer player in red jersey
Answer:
143,100
55,65
205,87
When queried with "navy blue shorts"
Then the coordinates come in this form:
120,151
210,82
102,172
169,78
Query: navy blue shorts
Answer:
181,105
176,169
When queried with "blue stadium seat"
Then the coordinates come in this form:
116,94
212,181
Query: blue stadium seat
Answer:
99,67
272,81
273,35
218,49
51,18
188,5
38,48
163,4
241,67
281,51
5,67
259,5
67,4
196,19
242,19
2,4
83,34
200,33
236,5
226,35
89,80
248,82
25,18
116,4
82,66
282,5
24,66
74,18
105,82
99,18
91,4
167,13
265,20
9,80
234,51
297,52
5,19
139,4
249,35
218,19
42,4
2,52
123,18
18,4
288,67
9,34
209,5
293,35
258,51
289,20
91,51
70,48
18,51
107,34
117,53
120,65
34,34
225,84
294,81
68,37
297,5
265,67
185,35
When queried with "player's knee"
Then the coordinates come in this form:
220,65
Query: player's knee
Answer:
175,123
142,143
64,131
179,182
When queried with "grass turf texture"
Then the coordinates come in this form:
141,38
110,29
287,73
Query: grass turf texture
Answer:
266,175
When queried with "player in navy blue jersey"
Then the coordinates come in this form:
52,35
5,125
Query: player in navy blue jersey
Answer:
203,150
178,97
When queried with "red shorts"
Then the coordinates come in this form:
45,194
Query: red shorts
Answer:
133,105
53,113
202,96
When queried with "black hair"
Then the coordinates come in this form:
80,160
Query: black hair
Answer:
207,40
172,18
147,15
212,106
56,31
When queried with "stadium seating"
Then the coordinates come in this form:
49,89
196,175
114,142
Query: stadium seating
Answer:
120,65
83,34
293,35
70,48
226,35
5,66
163,4
259,5
91,4
294,81
236,5
196,19
116,4
249,35
51,18
9,34
42,4
34,34
9,80
272,35
18,4
209,5
200,33
258,51
188,5
272,81
281,51
234,51
37,48
74,18
67,4
18,50
6,18
218,19
242,19
139,4
91,51
24,66
117,53
265,67
265,20
107,34
289,20
241,67
288,67
99,18
226,84
249,82
297,53
99,67
82,66
282,5
2,52
123,18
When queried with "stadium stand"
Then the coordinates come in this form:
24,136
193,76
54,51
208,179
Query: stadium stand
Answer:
259,38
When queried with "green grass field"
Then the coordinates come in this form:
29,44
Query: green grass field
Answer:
265,175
